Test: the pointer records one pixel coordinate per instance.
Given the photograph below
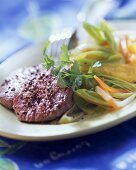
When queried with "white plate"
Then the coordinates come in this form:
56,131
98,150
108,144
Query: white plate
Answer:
12,128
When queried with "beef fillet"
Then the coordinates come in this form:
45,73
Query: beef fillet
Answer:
41,99
13,84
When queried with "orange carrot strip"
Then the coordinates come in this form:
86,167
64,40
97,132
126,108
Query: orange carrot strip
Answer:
104,43
108,88
127,40
113,104
123,46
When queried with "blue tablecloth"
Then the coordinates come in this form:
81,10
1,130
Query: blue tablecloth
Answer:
112,149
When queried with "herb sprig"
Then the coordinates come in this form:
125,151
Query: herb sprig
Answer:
67,72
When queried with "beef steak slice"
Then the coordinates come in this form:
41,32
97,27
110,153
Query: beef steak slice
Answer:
13,84
41,100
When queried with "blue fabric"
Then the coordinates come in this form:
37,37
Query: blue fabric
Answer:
112,149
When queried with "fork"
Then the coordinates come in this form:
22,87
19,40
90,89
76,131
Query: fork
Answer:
66,37
87,12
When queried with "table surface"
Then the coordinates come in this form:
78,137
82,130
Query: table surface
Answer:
112,149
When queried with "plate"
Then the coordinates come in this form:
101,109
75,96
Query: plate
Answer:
10,127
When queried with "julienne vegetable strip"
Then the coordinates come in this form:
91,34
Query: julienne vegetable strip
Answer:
131,87
121,95
128,49
113,102
123,47
94,32
108,34
97,55
108,88
105,49
91,97
101,34
87,107
107,97
126,101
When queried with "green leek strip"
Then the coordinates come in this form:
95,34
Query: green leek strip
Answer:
127,86
118,82
92,56
86,107
95,54
108,34
94,32
105,49
121,95
88,62
114,57
83,105
91,97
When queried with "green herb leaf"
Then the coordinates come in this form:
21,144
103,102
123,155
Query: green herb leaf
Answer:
56,70
48,62
60,80
77,83
65,55
75,68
